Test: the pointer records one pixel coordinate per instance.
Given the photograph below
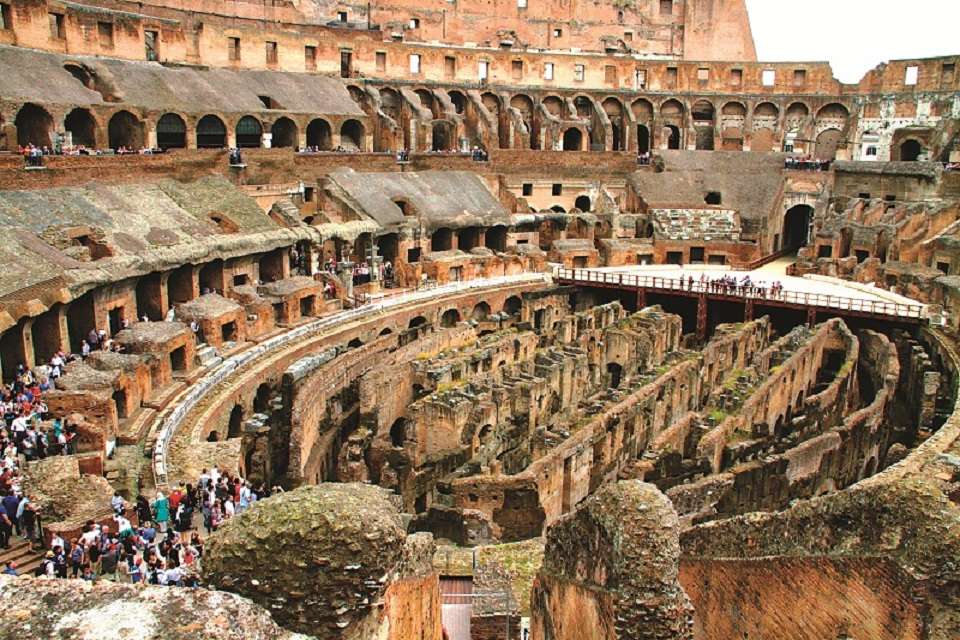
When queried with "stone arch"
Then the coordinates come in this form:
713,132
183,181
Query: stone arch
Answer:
443,136
796,227
583,203
125,130
733,108
34,126
235,423
398,433
554,106
703,111
284,133
458,100
798,110
417,321
573,139
82,127
827,143
171,132
522,103
512,305
674,138
614,110
352,135
427,101
261,401
584,106
765,112
211,133
492,102
643,138
910,150
642,110
481,311
390,102
672,109
249,132
319,134
449,318
834,110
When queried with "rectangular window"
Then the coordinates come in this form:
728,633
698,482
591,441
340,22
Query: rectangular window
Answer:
548,71
310,57
768,77
414,23
528,188
558,33
736,77
56,26
151,45
800,77
671,77
346,63
666,7
449,67
703,74
271,52
521,4
516,68
578,72
341,16
415,63
628,36
381,60
912,76
948,73
610,74
640,79
557,189
233,49
105,34
483,69
6,18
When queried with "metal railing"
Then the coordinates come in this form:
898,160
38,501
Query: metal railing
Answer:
760,294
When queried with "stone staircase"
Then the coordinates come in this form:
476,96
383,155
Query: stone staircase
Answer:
21,552
207,356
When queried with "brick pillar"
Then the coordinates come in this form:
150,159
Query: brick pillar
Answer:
26,336
701,317
748,310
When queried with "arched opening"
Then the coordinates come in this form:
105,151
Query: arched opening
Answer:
468,238
584,106
827,143
171,132
614,110
211,133
418,321
673,136
449,318
615,371
356,343
213,436
558,209
553,105
643,138
703,112
234,428
351,135
125,130
34,126
442,136
82,128
319,135
512,305
441,239
284,133
459,101
249,133
388,245
796,227
910,151
398,432
496,238
480,312
261,403
583,203
572,139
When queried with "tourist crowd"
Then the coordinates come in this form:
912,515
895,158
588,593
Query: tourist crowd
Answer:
731,285
33,155
806,164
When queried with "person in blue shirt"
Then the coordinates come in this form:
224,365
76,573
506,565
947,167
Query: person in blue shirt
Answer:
11,504
11,569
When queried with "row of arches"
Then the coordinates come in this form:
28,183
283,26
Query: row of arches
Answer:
35,125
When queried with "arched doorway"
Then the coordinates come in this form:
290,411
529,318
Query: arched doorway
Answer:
234,428
480,312
643,138
827,143
211,133
249,132
910,151
449,318
319,135
442,136
512,305
171,132
673,137
572,139
82,128
125,130
34,126
261,403
796,227
351,135
583,203
284,133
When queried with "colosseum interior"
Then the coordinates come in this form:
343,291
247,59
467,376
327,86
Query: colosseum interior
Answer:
512,320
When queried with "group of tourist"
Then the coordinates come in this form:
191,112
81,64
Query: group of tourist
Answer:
644,158
33,155
806,163
731,285
361,270
479,155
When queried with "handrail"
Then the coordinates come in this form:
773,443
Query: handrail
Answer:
828,301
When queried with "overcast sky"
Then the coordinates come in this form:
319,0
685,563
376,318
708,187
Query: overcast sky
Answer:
854,35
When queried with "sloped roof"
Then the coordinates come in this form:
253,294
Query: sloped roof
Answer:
454,199
39,76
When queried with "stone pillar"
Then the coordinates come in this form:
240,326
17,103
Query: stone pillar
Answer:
26,336
346,276
152,136
63,328
266,140
231,138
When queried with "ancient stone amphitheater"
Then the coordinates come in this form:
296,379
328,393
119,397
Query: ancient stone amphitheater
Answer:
558,320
